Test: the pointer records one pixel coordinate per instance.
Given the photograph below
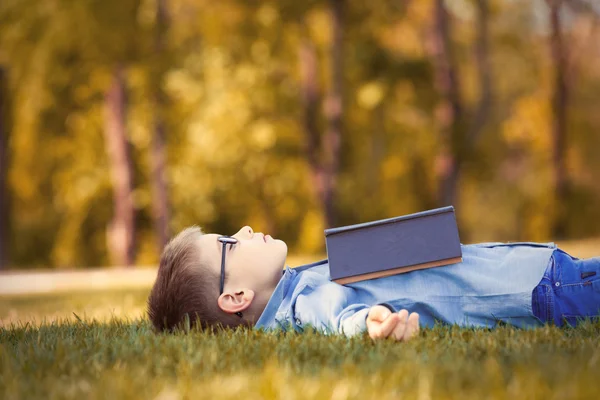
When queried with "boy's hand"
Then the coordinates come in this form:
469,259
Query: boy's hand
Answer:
382,323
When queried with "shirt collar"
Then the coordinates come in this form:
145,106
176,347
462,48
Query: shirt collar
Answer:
311,265
267,318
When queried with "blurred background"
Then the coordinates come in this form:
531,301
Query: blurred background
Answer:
122,122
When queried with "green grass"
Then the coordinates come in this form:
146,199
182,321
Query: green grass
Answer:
97,345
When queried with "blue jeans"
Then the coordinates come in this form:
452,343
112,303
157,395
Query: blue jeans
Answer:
569,290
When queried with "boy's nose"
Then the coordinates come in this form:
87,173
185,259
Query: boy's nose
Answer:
246,231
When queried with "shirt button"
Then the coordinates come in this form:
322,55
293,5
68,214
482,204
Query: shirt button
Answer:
557,284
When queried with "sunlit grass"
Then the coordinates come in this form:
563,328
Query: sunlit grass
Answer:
98,345
99,305
125,359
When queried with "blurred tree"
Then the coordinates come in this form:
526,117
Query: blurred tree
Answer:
59,81
460,128
323,150
121,230
160,206
334,110
560,104
251,108
311,101
115,23
4,153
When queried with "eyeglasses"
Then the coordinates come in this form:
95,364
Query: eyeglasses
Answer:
226,240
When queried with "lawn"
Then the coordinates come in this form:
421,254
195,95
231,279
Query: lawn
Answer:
97,344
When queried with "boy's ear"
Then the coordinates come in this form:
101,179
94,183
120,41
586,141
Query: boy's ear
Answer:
236,301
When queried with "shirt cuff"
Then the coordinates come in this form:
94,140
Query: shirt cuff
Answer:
388,306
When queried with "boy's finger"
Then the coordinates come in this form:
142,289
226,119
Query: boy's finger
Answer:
378,330
389,324
400,327
378,313
412,327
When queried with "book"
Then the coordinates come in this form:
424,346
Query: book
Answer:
393,246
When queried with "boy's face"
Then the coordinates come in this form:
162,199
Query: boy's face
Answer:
256,261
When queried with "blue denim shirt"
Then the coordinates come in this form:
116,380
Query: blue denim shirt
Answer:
494,282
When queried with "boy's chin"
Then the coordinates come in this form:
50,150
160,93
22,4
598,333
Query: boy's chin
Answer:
281,243
282,249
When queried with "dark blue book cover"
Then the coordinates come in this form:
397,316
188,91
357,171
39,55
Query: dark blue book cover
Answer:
391,246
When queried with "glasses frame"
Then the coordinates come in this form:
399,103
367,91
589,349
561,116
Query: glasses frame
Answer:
225,240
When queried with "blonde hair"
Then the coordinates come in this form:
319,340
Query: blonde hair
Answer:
185,288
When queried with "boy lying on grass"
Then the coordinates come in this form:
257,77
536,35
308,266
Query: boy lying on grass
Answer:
240,280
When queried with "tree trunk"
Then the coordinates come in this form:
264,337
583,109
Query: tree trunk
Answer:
121,230
4,198
160,206
460,137
324,155
310,100
334,110
484,104
560,99
451,107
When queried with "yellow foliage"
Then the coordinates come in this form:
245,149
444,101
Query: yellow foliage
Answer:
263,135
529,124
370,95
235,120
393,167
318,22
404,37
267,14
311,238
